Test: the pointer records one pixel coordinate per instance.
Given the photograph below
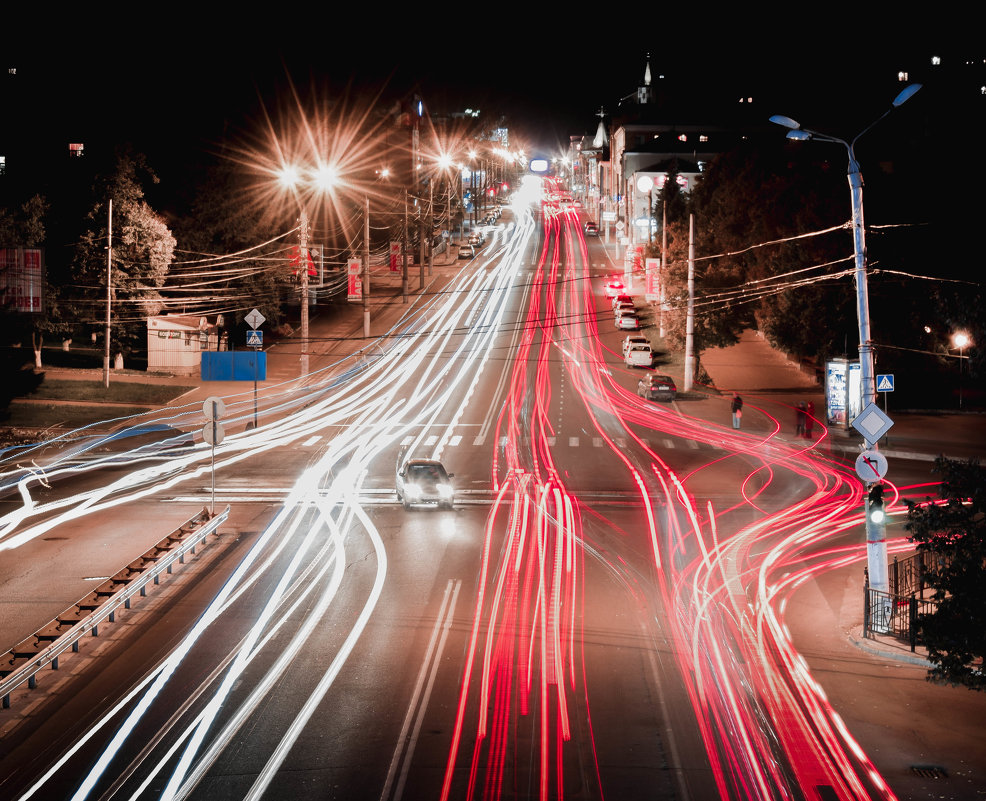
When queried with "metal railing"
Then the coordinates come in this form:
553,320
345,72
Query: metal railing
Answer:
23,662
895,615
909,575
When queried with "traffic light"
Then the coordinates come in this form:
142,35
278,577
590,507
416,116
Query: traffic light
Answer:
874,505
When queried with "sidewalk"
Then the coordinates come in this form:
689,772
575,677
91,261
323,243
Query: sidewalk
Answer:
765,379
925,739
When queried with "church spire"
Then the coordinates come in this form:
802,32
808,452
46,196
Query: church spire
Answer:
644,93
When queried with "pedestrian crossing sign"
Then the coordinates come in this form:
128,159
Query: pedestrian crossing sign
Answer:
885,382
255,339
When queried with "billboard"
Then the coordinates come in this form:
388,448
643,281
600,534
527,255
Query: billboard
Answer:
354,270
22,280
843,392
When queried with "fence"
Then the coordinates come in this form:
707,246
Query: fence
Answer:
897,611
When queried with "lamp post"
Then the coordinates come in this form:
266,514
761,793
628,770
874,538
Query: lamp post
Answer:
875,530
961,340
322,178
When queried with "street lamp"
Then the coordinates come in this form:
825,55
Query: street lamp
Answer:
291,177
875,531
961,340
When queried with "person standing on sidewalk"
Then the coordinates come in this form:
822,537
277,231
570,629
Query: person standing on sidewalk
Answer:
809,418
800,412
737,408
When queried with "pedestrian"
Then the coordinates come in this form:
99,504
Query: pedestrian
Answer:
737,409
809,418
800,413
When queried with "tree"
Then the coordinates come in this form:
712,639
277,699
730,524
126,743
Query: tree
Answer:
143,249
223,222
953,527
24,226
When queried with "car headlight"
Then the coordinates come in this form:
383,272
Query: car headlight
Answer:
445,490
413,491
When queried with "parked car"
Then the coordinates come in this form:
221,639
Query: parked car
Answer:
621,299
634,339
639,355
476,239
623,307
425,481
614,287
657,387
591,229
466,251
628,320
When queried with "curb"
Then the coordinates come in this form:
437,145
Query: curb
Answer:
877,647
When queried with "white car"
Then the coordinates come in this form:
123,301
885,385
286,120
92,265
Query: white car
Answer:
634,339
628,321
639,355
425,481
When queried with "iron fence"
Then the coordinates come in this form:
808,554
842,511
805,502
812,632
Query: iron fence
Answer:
895,615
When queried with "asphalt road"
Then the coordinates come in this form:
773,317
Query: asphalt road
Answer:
602,614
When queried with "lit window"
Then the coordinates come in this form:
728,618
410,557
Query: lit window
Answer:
75,149
703,138
3,165
902,75
682,138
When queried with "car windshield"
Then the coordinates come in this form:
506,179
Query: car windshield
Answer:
431,473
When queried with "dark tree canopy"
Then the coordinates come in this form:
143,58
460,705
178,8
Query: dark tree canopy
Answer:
954,527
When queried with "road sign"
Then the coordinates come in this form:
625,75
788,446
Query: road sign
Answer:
872,423
871,466
885,382
214,408
213,433
255,339
255,319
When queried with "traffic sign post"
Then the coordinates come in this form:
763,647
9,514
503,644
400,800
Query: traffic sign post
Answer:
213,433
255,340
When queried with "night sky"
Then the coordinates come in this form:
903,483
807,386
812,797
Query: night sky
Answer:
170,80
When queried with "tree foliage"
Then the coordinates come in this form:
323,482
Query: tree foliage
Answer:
954,528
143,249
223,221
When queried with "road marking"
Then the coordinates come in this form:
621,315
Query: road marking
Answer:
408,738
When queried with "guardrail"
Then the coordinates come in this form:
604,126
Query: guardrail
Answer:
24,661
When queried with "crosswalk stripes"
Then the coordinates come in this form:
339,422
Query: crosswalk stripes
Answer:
573,442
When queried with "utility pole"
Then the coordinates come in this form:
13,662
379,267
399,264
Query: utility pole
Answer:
690,320
366,266
109,295
664,260
303,258
404,250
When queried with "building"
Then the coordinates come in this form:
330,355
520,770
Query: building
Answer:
175,342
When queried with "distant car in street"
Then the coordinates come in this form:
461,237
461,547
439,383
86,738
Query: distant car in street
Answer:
628,320
614,287
591,229
654,386
638,355
634,339
466,251
476,239
623,307
617,299
425,481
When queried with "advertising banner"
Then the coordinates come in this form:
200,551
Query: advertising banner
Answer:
652,286
395,257
354,272
843,392
21,280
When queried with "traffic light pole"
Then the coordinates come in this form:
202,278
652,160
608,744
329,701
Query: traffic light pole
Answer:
303,257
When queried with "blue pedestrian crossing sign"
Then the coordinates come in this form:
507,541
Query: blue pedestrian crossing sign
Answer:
255,339
885,382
